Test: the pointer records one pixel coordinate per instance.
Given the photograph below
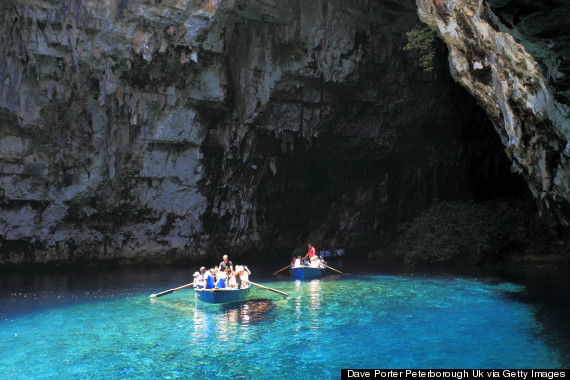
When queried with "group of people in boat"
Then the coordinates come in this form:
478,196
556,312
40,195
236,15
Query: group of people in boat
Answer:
331,253
311,259
223,276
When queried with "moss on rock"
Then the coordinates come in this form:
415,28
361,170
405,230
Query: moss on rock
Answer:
473,233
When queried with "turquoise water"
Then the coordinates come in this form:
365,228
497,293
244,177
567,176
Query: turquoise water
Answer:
106,326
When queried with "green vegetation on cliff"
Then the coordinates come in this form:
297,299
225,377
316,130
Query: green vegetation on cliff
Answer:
422,39
475,233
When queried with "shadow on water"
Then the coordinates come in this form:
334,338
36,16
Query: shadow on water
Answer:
226,321
547,292
29,292
249,312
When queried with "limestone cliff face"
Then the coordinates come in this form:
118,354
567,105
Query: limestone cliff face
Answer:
513,58
139,131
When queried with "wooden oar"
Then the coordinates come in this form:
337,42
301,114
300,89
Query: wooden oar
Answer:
334,269
170,290
282,269
265,287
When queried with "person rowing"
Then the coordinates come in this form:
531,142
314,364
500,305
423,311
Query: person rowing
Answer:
198,282
242,276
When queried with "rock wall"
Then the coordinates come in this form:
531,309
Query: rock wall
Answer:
137,131
514,58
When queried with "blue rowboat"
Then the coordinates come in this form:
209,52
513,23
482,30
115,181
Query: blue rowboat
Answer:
307,273
224,295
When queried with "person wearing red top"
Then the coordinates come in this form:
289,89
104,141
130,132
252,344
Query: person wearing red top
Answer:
310,253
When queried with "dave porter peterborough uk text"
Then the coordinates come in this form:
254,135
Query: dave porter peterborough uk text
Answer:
454,374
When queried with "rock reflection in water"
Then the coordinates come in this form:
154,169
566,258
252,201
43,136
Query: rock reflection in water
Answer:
225,321
233,314
248,312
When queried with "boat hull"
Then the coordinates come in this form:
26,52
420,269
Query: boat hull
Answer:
307,273
221,295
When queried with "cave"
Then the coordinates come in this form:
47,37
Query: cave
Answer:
154,133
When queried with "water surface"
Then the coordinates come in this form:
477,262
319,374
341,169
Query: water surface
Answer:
104,325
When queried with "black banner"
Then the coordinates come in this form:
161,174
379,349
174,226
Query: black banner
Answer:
458,374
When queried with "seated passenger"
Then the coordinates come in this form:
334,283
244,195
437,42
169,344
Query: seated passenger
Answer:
198,283
221,280
228,275
298,262
245,277
231,282
208,278
314,261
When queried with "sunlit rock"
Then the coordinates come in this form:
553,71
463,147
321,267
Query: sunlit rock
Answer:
515,70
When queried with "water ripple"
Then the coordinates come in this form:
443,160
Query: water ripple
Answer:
373,321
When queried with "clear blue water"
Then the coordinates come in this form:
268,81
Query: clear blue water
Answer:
104,325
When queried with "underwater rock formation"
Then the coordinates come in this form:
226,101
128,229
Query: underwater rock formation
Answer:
156,131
